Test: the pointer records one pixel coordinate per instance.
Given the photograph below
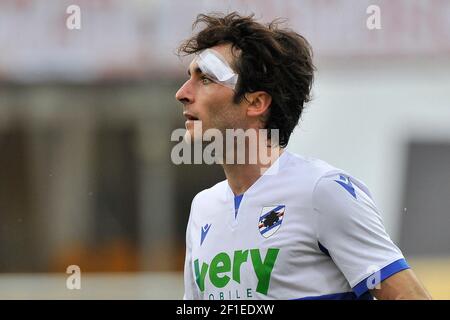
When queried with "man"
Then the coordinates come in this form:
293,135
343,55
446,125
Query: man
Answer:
299,229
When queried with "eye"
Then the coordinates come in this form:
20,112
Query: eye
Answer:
205,80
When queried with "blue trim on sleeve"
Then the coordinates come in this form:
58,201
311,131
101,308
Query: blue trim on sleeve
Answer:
237,203
340,296
385,273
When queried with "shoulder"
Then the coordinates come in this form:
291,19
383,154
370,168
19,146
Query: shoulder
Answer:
212,194
343,201
204,203
340,186
326,177
308,171
311,166
326,182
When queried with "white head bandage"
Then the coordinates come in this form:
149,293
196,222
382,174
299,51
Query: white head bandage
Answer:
215,66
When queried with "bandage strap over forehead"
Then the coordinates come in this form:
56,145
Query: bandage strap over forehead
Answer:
215,66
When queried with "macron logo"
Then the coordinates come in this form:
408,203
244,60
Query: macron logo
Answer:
347,185
205,230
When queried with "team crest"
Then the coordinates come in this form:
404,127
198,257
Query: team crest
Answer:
270,220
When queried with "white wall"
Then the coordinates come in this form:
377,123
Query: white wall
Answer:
137,38
365,112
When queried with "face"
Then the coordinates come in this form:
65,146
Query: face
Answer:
209,102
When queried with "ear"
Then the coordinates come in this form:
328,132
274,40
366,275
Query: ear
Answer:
258,103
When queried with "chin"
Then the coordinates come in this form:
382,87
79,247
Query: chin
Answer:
190,137
194,131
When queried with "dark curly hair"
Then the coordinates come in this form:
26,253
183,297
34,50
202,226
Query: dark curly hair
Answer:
272,59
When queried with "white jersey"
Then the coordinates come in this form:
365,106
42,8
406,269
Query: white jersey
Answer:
306,231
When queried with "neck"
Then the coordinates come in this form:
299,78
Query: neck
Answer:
242,176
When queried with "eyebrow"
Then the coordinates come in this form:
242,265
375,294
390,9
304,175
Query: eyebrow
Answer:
197,70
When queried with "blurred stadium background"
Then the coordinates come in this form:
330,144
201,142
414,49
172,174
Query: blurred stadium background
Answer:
86,117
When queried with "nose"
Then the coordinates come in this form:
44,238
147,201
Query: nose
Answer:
185,93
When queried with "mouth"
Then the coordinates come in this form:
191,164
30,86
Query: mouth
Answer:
190,117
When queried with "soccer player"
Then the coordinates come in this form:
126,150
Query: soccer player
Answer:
299,229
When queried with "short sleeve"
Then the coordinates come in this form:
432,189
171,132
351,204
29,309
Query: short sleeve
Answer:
351,231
